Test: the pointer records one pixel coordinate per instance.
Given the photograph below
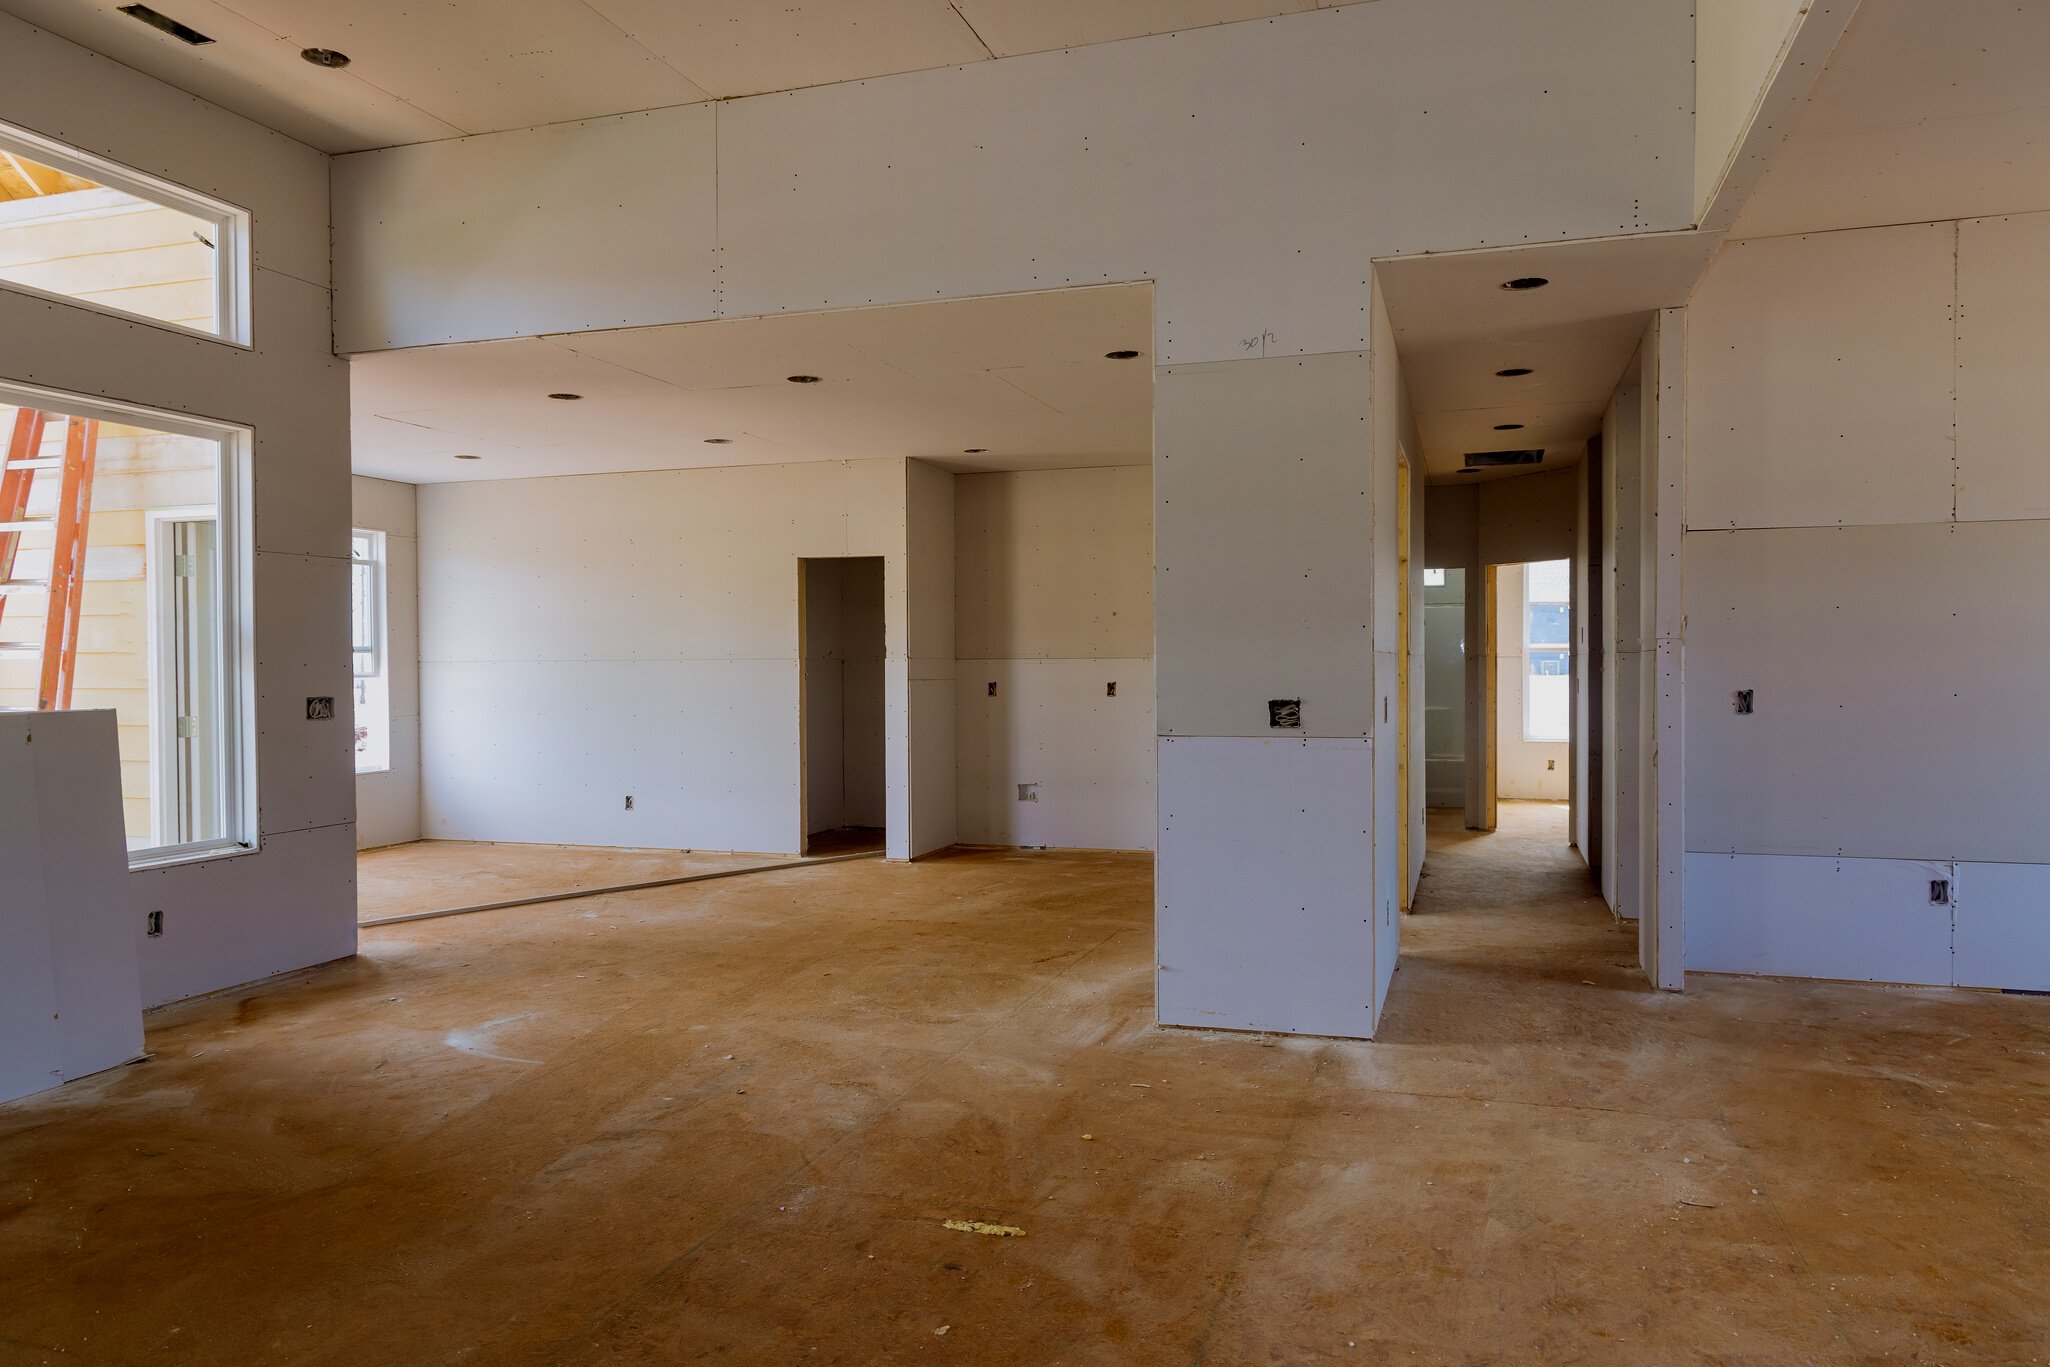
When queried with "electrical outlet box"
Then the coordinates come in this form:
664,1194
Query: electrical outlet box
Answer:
1939,892
1743,702
629,802
1285,714
154,924
1110,690
992,688
1028,792
320,709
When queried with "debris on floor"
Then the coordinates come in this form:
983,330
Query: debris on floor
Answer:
979,1227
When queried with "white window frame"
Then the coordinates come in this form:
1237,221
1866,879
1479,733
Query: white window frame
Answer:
232,259
1530,647
380,641
234,522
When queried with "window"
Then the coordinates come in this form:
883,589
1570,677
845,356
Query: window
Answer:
77,227
1547,650
1434,579
366,645
123,575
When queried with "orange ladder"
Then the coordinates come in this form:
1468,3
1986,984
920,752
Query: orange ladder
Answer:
65,588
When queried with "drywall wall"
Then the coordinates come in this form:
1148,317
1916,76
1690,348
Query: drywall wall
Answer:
1258,218
1145,159
291,902
845,782
1738,45
927,665
1525,770
70,998
1868,528
1528,517
1054,604
593,638
388,801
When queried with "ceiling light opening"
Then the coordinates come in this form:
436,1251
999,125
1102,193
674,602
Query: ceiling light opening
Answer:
803,379
718,441
975,450
566,397
1508,427
469,457
1513,371
325,57
1490,460
184,33
1121,355
1526,282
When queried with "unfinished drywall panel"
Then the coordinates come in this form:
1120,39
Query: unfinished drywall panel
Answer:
1272,458
2001,919
70,996
1055,564
291,392
1265,909
1055,609
1451,526
1859,920
1052,756
1738,45
1821,380
388,800
1895,676
1529,517
1120,161
929,652
492,236
2003,353
668,671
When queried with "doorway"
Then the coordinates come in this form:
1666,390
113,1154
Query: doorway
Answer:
842,791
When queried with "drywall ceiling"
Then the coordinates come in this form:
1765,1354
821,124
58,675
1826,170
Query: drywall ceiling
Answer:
1023,375
1926,111
1455,326
422,72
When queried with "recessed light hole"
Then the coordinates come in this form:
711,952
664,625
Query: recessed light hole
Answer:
1513,371
460,457
804,379
325,57
566,397
1508,427
1526,282
718,441
1121,355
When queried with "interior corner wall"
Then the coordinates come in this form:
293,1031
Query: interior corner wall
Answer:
1738,46
1054,605
1525,770
928,667
1394,439
594,637
1868,535
292,901
388,803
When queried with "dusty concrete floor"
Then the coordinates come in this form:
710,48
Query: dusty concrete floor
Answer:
435,875
723,1122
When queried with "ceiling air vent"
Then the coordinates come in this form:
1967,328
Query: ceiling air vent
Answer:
184,33
1482,460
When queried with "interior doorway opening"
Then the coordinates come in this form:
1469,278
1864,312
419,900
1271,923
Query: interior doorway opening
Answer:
843,792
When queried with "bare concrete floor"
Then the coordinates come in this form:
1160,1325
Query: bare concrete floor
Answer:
435,875
724,1122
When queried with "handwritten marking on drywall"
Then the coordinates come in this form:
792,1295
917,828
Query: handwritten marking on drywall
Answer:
1258,344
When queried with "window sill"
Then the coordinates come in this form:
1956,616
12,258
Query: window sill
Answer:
141,860
381,769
